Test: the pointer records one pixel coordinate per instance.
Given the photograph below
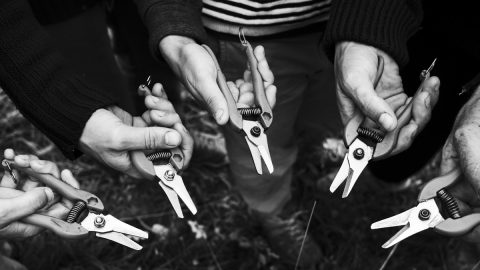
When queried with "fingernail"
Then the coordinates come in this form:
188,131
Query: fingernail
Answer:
428,102
219,114
172,138
387,121
49,193
159,113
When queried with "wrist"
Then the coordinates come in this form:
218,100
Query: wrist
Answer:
171,46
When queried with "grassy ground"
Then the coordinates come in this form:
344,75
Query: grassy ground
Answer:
222,235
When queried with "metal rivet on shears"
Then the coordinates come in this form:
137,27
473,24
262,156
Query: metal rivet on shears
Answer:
169,175
99,222
255,131
358,153
424,214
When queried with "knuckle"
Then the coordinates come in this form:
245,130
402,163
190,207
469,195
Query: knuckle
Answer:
151,141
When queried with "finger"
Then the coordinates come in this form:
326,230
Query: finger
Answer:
160,104
24,160
263,67
245,88
246,100
26,204
239,82
7,181
45,167
9,153
346,106
8,193
41,167
67,177
234,90
58,210
373,106
424,102
247,77
19,230
159,91
142,138
163,118
406,137
187,142
271,93
213,97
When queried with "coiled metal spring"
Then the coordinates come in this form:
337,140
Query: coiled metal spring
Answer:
249,112
449,202
159,156
371,134
76,211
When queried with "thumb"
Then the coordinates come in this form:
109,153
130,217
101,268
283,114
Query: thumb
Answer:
213,97
141,138
371,105
26,204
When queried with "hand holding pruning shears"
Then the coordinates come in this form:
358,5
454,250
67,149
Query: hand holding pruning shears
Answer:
380,119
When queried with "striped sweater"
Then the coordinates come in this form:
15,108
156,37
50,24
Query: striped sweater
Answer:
386,24
262,17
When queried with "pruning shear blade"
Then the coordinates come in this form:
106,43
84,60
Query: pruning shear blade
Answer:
174,189
121,239
417,219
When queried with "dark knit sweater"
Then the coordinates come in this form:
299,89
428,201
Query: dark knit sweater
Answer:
385,24
39,82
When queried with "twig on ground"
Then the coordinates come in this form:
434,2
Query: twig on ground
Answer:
305,235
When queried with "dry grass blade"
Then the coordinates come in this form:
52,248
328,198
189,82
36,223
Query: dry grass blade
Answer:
305,235
475,267
388,257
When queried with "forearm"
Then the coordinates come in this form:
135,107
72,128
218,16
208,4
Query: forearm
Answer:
171,17
38,81
384,24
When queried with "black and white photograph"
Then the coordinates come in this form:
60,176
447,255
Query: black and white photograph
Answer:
239,135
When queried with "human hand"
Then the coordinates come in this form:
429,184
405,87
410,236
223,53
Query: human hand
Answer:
109,134
242,90
28,196
195,67
355,70
462,150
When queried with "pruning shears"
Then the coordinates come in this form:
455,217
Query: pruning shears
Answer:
436,209
164,166
251,121
367,141
86,216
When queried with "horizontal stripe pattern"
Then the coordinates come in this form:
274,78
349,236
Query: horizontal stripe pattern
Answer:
265,12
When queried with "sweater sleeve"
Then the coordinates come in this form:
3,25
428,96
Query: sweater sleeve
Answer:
385,24
171,17
37,79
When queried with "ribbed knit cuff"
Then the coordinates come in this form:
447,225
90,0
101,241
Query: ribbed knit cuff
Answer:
384,24
75,102
172,17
